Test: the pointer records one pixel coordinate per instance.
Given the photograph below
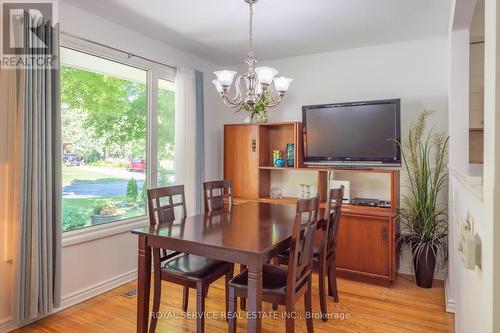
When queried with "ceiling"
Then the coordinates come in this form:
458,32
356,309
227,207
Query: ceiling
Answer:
218,29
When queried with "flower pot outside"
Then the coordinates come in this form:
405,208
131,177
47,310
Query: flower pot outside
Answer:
100,219
424,266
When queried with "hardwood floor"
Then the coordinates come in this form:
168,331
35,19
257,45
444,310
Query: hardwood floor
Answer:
364,307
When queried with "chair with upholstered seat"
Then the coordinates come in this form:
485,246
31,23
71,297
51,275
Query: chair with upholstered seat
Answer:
189,271
285,285
325,253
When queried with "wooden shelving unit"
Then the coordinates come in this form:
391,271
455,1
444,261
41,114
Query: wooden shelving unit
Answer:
367,235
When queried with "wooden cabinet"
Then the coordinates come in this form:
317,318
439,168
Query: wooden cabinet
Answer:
241,163
367,235
364,245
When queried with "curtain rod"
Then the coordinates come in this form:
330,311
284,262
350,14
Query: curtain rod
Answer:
129,54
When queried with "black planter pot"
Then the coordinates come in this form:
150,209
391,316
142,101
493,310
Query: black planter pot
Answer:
424,265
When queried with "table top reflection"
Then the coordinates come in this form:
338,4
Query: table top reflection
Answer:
252,227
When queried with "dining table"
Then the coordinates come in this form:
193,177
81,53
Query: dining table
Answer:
249,233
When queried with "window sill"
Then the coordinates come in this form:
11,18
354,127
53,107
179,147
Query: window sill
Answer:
83,235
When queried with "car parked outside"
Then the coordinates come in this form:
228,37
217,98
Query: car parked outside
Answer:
137,165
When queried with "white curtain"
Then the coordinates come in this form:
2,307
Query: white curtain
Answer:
185,135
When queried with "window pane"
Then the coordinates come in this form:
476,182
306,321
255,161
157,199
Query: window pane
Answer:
104,108
166,132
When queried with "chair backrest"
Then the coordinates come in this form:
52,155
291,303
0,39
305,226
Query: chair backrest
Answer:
332,219
215,193
300,261
163,201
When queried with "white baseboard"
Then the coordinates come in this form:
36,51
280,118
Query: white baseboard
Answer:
450,305
4,321
6,325
97,289
76,297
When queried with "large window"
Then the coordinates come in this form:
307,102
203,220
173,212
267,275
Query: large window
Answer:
166,131
105,136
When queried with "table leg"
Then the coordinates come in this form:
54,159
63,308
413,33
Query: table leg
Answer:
254,298
143,285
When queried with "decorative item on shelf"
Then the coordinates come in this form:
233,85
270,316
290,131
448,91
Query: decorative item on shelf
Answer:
279,163
308,191
257,80
276,156
258,112
423,221
276,192
290,154
305,191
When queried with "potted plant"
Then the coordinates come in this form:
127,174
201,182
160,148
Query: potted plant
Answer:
132,193
423,221
104,212
257,113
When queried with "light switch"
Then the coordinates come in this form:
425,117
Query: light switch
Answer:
469,246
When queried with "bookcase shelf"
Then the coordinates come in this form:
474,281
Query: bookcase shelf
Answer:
367,235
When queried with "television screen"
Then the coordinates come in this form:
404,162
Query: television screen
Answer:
362,132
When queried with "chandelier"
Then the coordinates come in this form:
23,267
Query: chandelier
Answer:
257,80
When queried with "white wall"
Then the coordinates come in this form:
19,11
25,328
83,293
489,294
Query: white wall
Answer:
415,71
459,100
492,157
477,300
6,80
93,266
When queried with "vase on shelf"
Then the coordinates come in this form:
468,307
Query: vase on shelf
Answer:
260,117
290,154
304,191
276,192
278,160
256,118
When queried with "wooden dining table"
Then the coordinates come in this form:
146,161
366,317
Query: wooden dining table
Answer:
249,233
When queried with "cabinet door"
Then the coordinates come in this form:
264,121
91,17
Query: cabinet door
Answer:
240,160
364,245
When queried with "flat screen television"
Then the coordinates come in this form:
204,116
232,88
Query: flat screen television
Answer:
352,134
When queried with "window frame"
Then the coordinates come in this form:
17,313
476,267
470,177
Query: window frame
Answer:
154,72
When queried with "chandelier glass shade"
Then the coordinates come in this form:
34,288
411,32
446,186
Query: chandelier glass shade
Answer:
257,80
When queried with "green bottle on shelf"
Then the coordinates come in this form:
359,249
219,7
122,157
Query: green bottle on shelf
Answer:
290,154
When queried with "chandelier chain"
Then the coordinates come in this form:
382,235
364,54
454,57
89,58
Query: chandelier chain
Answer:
250,33
257,82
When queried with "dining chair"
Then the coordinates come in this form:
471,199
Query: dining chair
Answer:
189,271
286,286
216,194
324,255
